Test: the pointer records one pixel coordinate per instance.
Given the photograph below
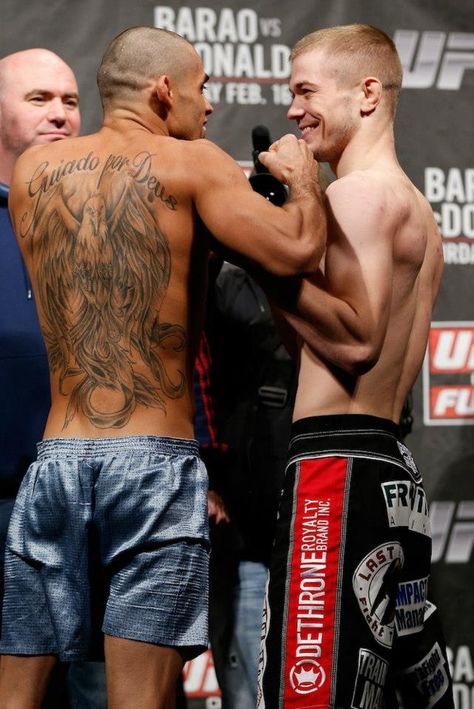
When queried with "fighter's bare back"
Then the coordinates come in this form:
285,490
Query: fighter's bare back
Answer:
107,233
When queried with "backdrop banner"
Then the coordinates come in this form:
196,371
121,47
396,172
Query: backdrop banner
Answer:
245,50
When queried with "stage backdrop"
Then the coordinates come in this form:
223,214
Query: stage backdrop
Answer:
245,50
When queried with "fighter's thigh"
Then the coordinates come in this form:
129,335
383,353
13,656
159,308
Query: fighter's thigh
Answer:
160,596
386,569
27,625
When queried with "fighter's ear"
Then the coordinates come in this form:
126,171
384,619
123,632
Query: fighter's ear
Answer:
163,91
372,94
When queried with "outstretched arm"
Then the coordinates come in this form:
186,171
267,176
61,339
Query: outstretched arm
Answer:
282,240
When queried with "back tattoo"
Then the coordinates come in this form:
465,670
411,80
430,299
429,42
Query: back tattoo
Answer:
102,268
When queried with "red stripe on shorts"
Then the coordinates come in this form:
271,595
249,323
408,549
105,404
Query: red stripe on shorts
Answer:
314,567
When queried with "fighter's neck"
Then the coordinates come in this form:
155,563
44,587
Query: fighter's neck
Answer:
362,153
124,120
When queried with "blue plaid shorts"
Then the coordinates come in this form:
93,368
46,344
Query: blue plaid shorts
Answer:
139,503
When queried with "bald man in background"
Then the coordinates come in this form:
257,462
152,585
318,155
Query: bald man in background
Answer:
116,230
39,104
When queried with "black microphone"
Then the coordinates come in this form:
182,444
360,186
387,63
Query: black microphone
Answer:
261,141
262,181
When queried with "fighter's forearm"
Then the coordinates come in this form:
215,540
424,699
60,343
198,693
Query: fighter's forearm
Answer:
303,217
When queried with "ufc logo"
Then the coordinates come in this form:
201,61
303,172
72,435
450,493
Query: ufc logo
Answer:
448,375
452,530
434,58
452,350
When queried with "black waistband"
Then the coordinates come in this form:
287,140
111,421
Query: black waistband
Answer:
345,423
354,435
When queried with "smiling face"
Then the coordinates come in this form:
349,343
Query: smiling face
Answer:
39,101
324,105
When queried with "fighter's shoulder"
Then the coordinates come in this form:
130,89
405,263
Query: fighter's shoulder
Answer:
207,153
366,192
44,154
207,160
24,169
357,182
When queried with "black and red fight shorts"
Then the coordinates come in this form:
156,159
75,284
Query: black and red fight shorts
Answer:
347,622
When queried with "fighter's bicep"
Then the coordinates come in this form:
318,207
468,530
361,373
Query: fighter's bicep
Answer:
228,207
210,171
244,223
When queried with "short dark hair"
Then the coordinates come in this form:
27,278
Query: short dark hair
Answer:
136,56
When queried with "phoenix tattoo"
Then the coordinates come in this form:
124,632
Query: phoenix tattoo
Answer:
102,276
